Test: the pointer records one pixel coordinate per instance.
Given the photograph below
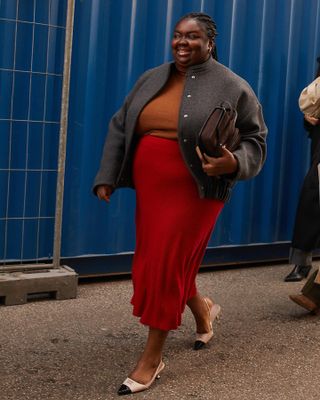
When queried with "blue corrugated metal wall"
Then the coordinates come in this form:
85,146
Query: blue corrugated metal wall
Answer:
271,43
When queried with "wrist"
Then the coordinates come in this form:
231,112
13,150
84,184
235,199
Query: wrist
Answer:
235,165
235,169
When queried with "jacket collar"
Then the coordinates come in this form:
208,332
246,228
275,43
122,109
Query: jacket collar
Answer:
204,67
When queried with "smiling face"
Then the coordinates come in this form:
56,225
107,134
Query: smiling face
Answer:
190,44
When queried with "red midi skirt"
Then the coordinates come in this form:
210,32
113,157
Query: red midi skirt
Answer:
173,227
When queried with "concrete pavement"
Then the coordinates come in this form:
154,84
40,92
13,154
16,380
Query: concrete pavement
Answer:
265,348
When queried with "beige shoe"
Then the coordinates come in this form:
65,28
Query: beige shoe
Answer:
304,302
130,386
203,338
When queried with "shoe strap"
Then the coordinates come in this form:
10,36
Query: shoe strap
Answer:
204,337
134,386
139,387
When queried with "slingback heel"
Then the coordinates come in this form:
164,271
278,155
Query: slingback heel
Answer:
203,338
129,386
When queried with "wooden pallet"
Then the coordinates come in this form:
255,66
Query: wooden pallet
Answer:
19,287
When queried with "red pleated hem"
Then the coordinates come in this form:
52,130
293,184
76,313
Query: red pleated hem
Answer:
155,323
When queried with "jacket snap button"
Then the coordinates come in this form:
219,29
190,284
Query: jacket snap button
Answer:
185,116
188,95
193,77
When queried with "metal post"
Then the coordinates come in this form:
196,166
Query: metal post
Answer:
63,133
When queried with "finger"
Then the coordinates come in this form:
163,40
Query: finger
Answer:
103,196
212,173
199,154
208,159
106,198
209,169
225,151
310,119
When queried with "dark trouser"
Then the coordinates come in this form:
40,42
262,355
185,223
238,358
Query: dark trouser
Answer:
306,234
312,289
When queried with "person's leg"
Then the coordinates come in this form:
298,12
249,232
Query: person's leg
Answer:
302,261
204,312
151,356
306,232
149,365
199,310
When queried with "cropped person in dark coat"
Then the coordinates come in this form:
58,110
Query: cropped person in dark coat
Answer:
306,234
151,146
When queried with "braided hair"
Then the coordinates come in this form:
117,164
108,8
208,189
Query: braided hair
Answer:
209,26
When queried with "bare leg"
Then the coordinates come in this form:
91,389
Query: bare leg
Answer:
151,356
200,312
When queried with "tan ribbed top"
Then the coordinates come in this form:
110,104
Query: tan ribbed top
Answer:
160,116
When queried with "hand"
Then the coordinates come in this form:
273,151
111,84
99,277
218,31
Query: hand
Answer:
312,120
104,192
212,166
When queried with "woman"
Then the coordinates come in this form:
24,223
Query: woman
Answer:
151,146
306,233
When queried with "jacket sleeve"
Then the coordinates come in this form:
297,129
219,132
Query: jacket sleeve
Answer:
252,151
113,151
114,146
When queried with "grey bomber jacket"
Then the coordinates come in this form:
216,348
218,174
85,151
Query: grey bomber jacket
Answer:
206,86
